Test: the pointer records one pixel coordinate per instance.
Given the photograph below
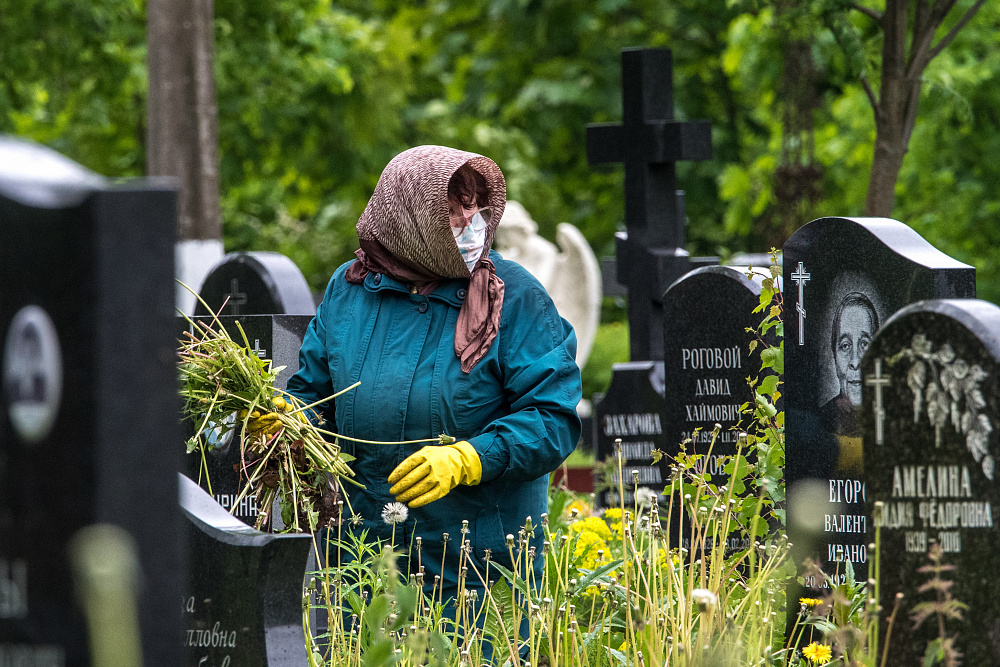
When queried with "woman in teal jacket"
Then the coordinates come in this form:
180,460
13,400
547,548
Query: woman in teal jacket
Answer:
447,337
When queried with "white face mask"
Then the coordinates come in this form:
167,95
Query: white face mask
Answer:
471,239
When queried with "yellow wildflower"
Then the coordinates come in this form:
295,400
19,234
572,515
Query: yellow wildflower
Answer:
613,515
585,552
818,654
581,506
810,602
668,561
593,525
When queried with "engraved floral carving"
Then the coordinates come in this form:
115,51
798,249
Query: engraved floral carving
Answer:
948,390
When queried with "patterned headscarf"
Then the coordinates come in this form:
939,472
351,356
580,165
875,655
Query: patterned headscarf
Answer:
405,233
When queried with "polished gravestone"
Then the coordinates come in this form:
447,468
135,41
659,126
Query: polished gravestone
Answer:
707,361
843,278
256,283
243,602
930,419
633,410
274,337
88,427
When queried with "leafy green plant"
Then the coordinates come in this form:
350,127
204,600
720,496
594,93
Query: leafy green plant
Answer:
616,589
765,427
226,388
225,385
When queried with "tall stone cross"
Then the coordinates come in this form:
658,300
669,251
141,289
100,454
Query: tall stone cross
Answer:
650,254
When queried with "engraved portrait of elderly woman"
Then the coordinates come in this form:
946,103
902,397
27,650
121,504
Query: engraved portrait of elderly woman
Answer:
854,324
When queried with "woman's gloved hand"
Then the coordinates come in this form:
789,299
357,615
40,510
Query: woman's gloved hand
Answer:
432,472
266,423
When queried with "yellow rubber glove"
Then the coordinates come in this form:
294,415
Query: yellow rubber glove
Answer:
432,472
267,423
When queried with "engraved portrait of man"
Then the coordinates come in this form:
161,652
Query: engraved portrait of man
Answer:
854,325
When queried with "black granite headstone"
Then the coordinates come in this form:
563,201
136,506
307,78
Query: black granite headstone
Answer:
633,410
88,425
256,283
243,603
843,278
274,337
930,418
707,360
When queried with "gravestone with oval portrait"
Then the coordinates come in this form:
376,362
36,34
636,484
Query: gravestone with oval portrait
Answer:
930,416
843,278
89,400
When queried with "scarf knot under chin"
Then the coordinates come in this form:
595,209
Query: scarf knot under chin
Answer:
479,317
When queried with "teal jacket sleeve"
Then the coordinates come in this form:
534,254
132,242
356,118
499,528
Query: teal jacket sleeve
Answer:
312,381
536,353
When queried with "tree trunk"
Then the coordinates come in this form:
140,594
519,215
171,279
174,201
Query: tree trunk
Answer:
886,163
182,117
899,95
895,118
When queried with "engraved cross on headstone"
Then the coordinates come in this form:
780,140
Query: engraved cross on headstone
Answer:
879,382
235,298
650,255
801,278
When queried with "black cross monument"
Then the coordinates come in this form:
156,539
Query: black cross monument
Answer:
650,255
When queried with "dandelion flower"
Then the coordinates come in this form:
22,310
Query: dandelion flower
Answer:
666,560
581,506
613,516
810,602
394,513
704,598
818,654
645,496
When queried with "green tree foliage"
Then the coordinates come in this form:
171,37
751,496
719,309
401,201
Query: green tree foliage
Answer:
943,190
315,97
73,76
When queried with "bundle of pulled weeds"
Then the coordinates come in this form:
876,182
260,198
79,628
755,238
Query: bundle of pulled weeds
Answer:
284,456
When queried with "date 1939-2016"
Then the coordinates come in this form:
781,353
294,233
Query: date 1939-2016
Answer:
950,541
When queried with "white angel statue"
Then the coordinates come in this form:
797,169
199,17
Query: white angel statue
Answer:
571,276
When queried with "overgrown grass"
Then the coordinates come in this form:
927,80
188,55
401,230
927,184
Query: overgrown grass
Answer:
617,589
695,576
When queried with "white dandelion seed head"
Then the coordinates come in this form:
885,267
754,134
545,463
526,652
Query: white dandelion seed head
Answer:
394,513
703,597
645,496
